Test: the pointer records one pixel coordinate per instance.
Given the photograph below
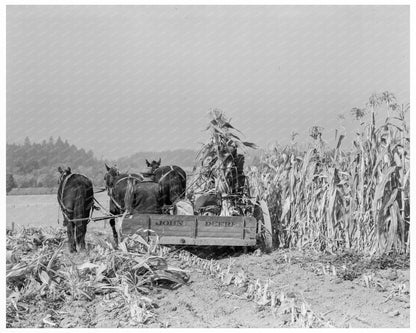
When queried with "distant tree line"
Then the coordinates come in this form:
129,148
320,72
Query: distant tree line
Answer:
10,182
35,164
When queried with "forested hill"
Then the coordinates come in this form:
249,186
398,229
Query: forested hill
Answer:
35,164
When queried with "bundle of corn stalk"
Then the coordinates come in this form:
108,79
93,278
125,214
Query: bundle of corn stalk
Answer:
335,200
39,269
221,167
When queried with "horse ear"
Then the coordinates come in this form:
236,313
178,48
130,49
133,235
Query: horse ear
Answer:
147,163
60,169
107,167
160,161
68,169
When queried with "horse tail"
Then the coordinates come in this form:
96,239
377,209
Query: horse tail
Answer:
79,203
129,196
182,182
177,185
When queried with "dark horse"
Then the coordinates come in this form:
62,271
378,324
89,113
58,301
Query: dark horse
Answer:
76,199
116,184
172,181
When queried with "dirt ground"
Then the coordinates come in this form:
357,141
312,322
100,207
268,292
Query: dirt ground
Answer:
363,294
205,302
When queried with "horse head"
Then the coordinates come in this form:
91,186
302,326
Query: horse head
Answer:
154,164
110,175
63,173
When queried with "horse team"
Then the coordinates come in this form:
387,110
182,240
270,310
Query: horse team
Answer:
152,191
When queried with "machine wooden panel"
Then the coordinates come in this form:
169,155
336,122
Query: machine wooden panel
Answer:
173,225
131,224
220,226
195,230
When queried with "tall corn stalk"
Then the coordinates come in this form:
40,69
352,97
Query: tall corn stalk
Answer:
220,164
333,200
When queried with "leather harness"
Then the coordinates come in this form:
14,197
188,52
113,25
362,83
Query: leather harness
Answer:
110,192
65,210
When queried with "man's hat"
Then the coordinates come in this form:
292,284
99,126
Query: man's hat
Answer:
147,171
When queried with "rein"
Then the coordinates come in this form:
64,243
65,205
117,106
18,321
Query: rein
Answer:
170,171
102,189
164,176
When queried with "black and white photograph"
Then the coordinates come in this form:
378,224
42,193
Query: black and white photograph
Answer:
207,166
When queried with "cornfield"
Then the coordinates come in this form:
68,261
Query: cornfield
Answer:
39,270
336,200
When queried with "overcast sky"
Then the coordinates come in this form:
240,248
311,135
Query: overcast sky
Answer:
122,79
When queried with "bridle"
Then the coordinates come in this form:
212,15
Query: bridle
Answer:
113,172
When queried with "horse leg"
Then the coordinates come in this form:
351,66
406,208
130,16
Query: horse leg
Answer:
113,228
71,241
114,210
81,230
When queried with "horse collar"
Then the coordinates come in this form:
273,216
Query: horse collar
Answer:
64,183
64,209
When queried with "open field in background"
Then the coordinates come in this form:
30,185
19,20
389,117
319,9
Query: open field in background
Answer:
33,190
43,210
